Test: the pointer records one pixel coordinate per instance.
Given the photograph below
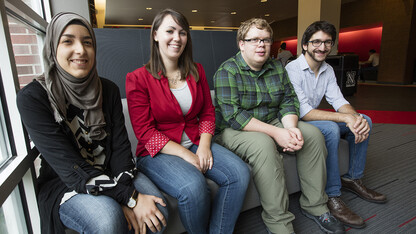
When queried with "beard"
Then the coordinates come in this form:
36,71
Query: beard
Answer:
315,58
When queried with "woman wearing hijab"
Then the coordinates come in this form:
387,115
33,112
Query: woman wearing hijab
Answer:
174,120
87,179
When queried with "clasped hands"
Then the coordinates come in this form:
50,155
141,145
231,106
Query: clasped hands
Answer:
358,126
290,139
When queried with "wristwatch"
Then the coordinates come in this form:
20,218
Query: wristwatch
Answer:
133,199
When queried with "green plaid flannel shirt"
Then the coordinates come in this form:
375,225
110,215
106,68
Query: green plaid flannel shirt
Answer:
241,93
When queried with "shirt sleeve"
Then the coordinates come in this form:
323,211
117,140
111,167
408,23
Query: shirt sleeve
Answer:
143,123
226,93
295,77
333,93
207,114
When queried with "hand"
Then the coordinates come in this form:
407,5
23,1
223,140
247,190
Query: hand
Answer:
286,139
193,159
131,219
205,157
298,136
147,213
358,126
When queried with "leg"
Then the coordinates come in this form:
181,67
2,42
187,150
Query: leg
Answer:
87,213
311,169
358,155
358,152
183,181
338,208
332,136
145,186
232,175
259,151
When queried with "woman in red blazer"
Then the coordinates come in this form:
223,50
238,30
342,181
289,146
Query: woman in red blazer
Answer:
174,120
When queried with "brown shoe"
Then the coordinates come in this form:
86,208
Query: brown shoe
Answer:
356,186
341,211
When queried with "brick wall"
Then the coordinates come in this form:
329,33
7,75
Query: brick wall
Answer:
26,51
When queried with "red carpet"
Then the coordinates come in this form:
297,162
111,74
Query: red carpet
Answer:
391,117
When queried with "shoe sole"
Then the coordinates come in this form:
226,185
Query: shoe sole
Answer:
364,198
320,226
353,226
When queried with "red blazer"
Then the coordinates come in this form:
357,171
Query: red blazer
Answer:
155,113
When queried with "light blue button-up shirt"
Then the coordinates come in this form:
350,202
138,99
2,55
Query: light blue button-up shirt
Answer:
311,89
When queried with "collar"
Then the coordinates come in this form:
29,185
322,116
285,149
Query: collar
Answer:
304,65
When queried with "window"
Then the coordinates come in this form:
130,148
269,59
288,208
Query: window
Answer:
27,45
13,222
22,30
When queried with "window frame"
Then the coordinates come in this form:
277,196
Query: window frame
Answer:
18,170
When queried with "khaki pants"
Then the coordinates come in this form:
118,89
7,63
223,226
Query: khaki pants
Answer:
262,153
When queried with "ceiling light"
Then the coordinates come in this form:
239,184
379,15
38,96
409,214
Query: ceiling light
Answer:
212,21
194,11
233,13
148,8
140,19
267,15
263,0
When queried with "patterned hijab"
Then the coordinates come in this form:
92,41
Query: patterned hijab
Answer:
62,88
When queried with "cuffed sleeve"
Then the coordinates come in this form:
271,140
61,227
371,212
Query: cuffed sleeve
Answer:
156,143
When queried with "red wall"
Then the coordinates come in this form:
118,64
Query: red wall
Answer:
360,41
351,41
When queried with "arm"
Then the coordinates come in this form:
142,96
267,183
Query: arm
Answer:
230,105
206,124
62,155
144,124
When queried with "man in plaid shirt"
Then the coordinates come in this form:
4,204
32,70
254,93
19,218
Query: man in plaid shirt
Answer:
257,117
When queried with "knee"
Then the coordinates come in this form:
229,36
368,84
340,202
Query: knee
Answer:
331,131
240,176
194,191
109,221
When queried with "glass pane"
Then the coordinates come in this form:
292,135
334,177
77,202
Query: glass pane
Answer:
4,140
27,47
35,5
12,216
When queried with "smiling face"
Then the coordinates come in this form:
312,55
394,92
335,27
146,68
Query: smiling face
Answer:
75,52
171,38
256,54
317,54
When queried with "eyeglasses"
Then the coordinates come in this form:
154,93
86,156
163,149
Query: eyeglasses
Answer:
253,41
317,43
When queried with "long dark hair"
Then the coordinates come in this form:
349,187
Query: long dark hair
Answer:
185,63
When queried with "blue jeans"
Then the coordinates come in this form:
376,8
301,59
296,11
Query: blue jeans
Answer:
87,213
332,132
187,184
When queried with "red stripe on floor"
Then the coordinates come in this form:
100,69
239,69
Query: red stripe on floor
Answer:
370,217
408,221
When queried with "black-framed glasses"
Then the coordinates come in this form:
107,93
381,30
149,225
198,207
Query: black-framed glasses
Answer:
317,43
266,41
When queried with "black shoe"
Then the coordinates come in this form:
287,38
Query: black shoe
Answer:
327,222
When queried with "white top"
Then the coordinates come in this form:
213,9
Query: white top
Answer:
374,59
311,89
184,97
284,56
